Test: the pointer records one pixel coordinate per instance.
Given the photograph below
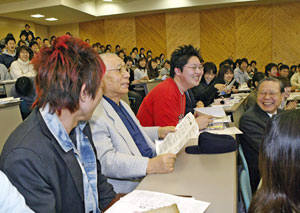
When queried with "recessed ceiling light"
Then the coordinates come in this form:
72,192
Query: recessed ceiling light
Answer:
108,0
51,19
37,16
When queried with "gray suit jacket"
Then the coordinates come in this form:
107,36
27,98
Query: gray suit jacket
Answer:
121,160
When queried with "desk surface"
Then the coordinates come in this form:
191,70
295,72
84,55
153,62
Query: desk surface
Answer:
211,178
10,118
236,105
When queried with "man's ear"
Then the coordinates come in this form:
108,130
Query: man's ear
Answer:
83,93
177,71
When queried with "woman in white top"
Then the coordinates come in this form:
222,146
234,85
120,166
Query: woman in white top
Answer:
22,67
140,73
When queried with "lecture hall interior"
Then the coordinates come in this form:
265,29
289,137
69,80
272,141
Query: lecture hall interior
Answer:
264,31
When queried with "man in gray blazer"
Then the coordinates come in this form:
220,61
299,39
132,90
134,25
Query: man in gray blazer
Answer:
125,149
254,121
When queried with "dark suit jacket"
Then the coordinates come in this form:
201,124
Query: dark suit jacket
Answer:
253,124
49,179
205,92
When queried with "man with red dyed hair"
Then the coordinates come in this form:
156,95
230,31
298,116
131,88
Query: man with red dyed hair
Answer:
50,157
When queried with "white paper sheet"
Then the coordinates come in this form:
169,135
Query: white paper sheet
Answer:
226,131
215,111
9,100
187,128
139,201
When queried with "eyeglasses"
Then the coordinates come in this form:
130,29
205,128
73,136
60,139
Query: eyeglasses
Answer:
119,69
195,67
271,93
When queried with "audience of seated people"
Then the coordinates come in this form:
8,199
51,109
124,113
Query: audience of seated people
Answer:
124,144
254,121
125,149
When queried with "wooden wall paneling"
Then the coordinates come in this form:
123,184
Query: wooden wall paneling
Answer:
182,28
254,34
151,33
41,31
120,31
286,31
217,35
59,30
93,30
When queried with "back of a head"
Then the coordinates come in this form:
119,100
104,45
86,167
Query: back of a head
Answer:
24,86
62,70
180,57
279,161
257,77
284,81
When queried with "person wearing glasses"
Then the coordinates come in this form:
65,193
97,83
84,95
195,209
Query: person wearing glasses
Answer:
125,149
254,121
165,104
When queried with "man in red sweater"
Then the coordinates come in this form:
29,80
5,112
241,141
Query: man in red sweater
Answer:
165,104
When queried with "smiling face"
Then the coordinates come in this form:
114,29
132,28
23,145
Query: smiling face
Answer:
273,72
284,73
228,76
116,78
24,55
209,76
268,96
191,73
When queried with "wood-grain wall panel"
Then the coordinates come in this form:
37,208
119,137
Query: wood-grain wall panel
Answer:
151,33
93,30
217,37
60,30
182,28
120,31
254,34
41,31
286,31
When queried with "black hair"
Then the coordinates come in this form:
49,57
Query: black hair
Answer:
142,48
243,60
268,68
94,45
285,81
223,70
108,46
149,51
33,43
117,46
9,38
257,77
180,57
138,64
284,66
24,86
209,67
135,48
127,58
23,34
27,25
36,38
21,41
53,37
253,62
19,49
45,39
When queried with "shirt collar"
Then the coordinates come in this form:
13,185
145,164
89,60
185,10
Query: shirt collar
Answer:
58,130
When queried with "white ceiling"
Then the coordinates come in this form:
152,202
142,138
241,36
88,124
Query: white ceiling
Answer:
74,11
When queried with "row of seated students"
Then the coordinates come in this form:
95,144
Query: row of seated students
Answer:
37,154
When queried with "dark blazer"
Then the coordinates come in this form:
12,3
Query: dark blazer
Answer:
190,102
205,92
49,179
253,124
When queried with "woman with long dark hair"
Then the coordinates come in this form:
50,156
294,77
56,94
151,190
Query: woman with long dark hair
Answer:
279,164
